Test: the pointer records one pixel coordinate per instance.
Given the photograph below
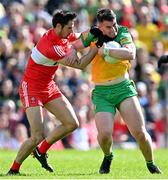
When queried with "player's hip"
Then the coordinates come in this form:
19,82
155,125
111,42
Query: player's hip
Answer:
113,95
32,96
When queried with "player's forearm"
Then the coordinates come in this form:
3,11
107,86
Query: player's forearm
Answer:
79,63
86,59
122,53
84,39
78,44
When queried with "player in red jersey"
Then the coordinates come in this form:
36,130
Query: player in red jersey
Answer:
38,89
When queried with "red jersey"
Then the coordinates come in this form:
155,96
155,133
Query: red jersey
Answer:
45,56
37,86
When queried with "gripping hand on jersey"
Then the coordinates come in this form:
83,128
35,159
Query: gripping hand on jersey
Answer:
94,34
99,35
90,36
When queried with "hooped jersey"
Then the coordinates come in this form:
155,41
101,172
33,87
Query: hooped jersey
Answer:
45,56
103,71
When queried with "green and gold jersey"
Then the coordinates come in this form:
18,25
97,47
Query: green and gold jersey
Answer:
103,71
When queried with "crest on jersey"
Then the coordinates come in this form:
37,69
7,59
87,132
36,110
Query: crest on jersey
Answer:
33,99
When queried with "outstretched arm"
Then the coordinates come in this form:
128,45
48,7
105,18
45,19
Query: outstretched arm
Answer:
83,61
85,38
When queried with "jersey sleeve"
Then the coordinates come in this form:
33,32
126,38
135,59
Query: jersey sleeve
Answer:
73,36
58,52
124,37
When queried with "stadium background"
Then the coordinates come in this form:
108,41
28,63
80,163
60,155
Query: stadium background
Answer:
22,23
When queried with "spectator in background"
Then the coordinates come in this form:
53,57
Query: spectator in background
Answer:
164,33
151,32
51,5
127,19
80,135
162,89
6,50
142,57
4,132
9,121
91,128
20,135
137,41
9,108
147,109
121,133
158,51
23,39
162,60
7,90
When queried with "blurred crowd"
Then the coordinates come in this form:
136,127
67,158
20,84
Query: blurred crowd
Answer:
23,22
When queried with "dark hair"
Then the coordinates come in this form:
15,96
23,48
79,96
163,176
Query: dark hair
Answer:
104,14
62,17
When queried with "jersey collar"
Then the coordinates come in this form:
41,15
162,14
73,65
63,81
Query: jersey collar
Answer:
54,36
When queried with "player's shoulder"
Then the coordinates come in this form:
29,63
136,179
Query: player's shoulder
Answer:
73,36
122,29
123,36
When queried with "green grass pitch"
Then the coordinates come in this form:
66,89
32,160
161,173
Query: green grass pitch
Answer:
73,164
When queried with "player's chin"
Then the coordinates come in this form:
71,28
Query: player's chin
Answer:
66,36
111,35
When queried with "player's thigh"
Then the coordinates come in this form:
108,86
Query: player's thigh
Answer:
131,112
35,118
104,122
62,109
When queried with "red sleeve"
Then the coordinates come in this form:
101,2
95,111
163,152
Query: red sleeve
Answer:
58,52
72,37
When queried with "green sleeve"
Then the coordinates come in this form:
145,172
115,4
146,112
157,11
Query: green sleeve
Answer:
123,36
87,39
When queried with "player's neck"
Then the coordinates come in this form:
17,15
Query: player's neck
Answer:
58,32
